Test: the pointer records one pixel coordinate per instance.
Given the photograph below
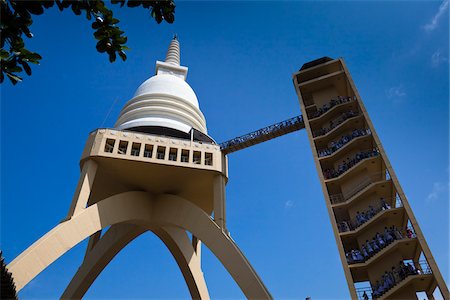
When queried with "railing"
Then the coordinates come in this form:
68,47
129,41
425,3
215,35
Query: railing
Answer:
364,293
308,99
344,167
262,135
397,274
378,176
328,106
335,146
378,243
109,148
392,278
364,217
335,123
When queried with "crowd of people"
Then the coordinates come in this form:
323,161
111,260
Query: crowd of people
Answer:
378,242
287,124
333,124
363,217
327,106
348,163
392,277
335,146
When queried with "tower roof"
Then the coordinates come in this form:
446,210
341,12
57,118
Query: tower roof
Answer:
315,62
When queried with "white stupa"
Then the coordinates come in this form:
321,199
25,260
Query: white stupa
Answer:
165,103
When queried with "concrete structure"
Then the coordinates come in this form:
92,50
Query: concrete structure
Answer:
369,211
158,171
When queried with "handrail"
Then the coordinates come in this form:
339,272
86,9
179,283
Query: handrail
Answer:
397,274
364,254
364,217
344,167
339,144
392,278
373,178
328,106
335,123
263,134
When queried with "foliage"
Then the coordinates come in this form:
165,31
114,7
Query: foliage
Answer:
17,16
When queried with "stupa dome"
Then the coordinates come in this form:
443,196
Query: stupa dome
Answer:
165,100
167,85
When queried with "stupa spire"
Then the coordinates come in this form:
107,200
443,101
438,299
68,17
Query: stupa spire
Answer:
173,53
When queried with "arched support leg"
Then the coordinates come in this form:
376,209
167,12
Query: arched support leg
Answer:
67,234
98,257
117,238
174,210
138,208
93,239
179,244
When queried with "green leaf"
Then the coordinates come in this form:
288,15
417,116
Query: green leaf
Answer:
122,55
100,34
112,56
76,8
158,18
26,67
96,25
101,46
122,2
15,69
121,40
169,18
4,54
48,3
33,7
33,57
133,3
14,78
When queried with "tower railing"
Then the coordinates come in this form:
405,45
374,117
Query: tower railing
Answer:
362,218
343,168
335,123
339,144
366,252
372,178
395,277
328,106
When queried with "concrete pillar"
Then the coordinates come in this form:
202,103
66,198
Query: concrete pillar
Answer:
84,187
219,201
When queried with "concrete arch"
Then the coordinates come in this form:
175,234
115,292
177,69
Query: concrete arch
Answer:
117,238
106,248
179,244
141,209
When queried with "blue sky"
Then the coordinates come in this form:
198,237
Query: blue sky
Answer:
241,56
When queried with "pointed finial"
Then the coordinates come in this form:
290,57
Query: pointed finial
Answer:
173,54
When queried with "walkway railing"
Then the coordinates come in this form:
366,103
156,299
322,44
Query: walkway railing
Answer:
263,134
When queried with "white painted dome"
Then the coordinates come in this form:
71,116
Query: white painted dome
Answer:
167,84
164,100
